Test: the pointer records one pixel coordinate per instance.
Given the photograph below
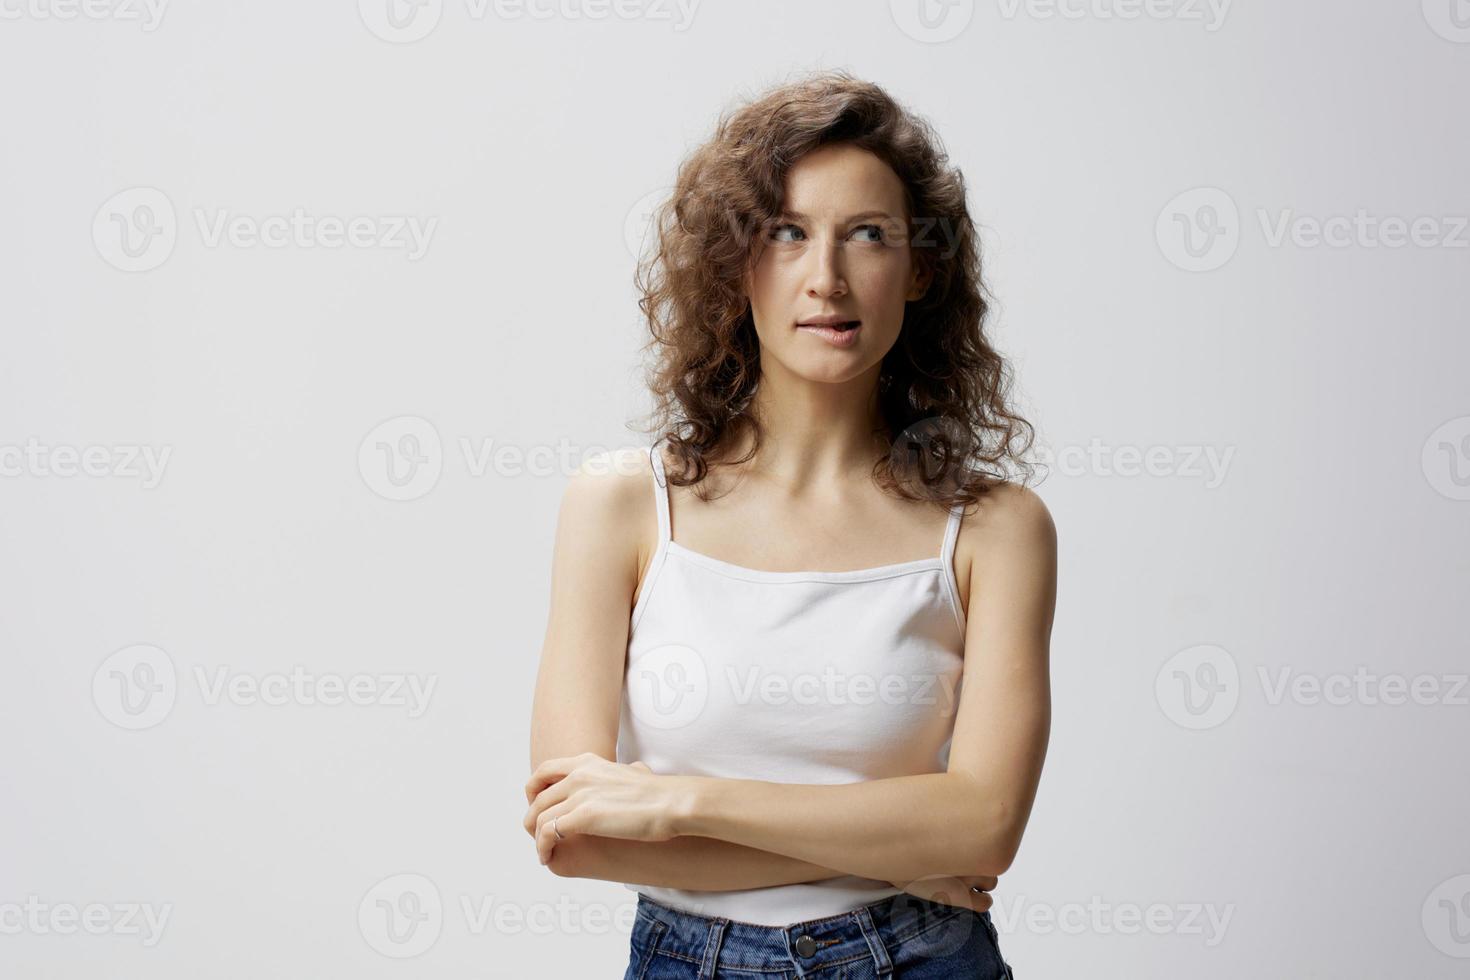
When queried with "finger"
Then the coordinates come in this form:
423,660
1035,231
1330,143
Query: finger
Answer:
963,888
547,798
544,847
945,889
554,770
529,821
547,773
546,831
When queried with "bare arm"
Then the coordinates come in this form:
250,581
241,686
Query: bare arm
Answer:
971,817
695,863
706,864
579,685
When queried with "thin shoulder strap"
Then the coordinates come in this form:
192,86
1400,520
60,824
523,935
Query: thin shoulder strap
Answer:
660,492
951,534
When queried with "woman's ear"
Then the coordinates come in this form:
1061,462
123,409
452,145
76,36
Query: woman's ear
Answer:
919,284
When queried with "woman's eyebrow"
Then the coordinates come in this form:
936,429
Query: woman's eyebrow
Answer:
856,217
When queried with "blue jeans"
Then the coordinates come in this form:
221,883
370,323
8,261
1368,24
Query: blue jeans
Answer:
903,937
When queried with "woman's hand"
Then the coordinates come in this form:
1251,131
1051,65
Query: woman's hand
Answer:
587,794
953,891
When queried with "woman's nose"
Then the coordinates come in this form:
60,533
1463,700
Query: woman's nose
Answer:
825,276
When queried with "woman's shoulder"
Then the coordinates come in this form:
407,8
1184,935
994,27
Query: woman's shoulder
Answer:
1007,514
615,482
607,513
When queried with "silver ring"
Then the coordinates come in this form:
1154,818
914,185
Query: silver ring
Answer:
555,831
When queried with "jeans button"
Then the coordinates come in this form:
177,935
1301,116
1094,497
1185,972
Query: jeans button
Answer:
805,946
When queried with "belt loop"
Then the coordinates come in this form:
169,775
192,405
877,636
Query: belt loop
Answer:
881,962
712,948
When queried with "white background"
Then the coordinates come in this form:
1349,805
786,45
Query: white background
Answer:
1330,380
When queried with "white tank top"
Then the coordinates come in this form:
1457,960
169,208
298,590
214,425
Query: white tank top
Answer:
790,677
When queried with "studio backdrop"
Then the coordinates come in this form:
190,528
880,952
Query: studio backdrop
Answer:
309,312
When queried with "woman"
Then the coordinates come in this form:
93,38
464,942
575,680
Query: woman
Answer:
813,629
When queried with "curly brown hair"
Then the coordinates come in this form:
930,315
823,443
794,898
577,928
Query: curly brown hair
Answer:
942,390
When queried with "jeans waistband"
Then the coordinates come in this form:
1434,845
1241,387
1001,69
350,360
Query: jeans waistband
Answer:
865,933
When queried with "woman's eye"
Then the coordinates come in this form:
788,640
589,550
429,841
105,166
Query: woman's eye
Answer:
778,233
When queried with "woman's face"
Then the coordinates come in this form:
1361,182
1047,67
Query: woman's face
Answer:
841,248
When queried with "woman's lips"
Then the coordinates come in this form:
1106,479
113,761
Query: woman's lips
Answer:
831,334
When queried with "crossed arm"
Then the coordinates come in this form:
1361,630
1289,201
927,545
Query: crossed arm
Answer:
736,833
